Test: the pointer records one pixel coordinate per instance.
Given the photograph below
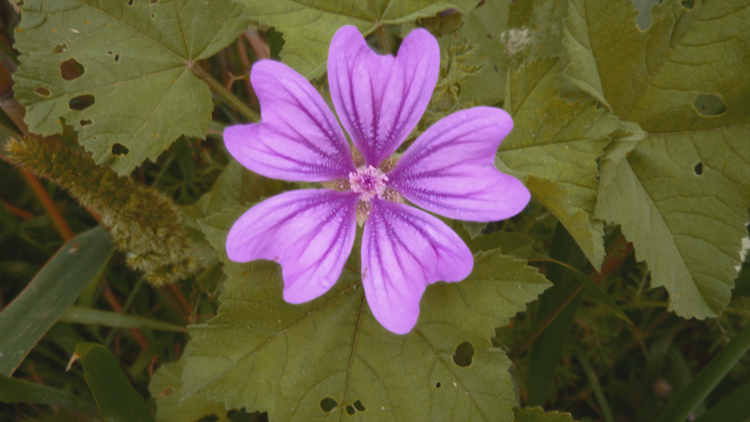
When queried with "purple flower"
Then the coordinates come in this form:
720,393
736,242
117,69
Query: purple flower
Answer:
448,170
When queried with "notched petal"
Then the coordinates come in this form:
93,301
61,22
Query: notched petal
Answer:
403,250
309,232
298,138
380,99
450,169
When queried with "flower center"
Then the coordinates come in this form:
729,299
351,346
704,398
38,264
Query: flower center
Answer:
368,182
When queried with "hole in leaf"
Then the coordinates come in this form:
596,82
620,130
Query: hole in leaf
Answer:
328,404
688,4
153,16
119,150
109,52
117,58
59,48
709,105
496,69
81,102
85,122
350,410
698,169
438,385
130,2
42,92
464,354
71,69
153,1
359,406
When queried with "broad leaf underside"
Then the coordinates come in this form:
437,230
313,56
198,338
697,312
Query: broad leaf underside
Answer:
262,353
681,195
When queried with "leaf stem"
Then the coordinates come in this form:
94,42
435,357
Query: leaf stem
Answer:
383,40
218,89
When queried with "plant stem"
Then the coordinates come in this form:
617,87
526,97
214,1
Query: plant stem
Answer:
383,40
217,88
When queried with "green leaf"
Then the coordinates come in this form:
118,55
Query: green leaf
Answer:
537,414
136,58
19,391
238,186
536,29
264,354
166,387
684,53
78,263
514,244
485,29
308,26
708,378
554,146
682,193
82,315
115,396
473,228
736,407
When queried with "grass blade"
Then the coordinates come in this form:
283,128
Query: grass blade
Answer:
591,287
115,396
704,383
81,315
736,407
595,386
53,290
13,390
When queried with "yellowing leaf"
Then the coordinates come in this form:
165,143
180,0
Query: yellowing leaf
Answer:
681,195
308,25
321,359
554,146
136,93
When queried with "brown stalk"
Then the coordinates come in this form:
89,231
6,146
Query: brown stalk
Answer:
18,212
16,112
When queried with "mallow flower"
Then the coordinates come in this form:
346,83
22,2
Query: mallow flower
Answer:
448,170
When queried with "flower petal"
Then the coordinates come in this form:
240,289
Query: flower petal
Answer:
380,99
298,138
309,232
403,250
450,169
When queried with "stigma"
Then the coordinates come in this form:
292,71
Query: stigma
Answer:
368,182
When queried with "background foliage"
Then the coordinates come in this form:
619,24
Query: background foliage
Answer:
631,130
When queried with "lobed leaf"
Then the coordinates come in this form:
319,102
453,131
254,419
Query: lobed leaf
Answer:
681,195
485,29
308,26
134,93
317,360
554,146
536,29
